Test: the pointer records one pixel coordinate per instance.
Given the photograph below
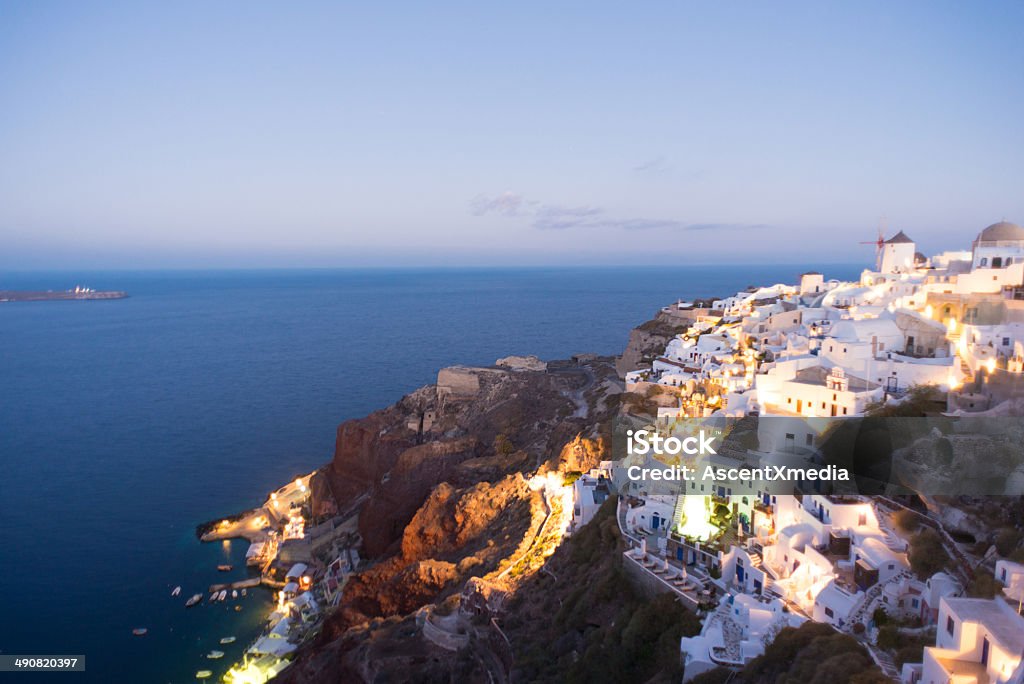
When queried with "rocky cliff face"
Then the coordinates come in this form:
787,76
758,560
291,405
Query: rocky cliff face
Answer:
647,341
440,482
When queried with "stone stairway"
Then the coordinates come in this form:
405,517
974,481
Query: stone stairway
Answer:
885,663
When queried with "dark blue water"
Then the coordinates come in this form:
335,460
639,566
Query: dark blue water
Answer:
125,423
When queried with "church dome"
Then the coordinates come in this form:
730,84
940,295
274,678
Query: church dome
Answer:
1002,231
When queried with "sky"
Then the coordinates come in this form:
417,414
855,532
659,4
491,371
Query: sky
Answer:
242,134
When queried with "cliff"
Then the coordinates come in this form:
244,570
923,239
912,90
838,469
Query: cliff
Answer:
440,481
648,340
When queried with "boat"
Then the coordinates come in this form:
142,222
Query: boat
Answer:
243,592
234,593
139,631
238,609
213,655
228,640
222,595
177,590
204,674
193,600
213,597
225,567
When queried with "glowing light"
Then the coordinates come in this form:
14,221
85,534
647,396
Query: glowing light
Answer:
952,382
694,523
298,482
928,311
951,325
991,365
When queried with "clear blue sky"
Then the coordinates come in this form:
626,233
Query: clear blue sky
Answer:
276,134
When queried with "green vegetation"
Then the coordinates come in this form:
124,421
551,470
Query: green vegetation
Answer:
984,585
904,647
927,553
813,654
1007,540
906,521
920,400
584,621
503,445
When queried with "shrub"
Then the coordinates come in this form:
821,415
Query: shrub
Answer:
984,585
927,553
1007,540
503,445
906,521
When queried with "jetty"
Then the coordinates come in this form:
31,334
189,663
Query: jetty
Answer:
240,584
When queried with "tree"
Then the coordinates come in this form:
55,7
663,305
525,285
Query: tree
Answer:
503,445
927,553
906,521
1007,540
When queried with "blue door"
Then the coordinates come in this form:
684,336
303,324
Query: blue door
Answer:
740,574
984,651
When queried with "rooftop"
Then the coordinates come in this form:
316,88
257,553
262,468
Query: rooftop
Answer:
899,238
1003,623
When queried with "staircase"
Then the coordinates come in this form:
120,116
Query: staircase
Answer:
769,588
755,559
677,511
885,663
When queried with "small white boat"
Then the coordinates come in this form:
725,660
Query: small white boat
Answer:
204,674
243,592
196,598
222,595
214,655
228,640
139,631
213,598
177,590
234,593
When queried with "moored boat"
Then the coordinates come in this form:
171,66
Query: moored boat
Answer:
193,600
214,655
228,640
225,567
222,595
139,631
177,590
234,593
204,674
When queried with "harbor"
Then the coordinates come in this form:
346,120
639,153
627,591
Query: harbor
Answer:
304,561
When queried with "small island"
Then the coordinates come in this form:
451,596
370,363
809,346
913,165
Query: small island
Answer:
76,293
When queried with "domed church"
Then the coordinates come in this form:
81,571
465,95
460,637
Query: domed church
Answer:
998,246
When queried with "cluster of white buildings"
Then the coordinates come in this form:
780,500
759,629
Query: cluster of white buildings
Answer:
977,641
808,353
825,348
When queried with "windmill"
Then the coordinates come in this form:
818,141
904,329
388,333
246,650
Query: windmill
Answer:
879,243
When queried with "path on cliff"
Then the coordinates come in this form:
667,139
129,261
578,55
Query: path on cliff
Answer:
577,397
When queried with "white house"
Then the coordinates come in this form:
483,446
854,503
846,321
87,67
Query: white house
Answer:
977,641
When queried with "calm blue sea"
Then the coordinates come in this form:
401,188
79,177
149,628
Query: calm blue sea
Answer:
125,423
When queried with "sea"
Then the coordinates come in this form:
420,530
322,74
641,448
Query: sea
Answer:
124,424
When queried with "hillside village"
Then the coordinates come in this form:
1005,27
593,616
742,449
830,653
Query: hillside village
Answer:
752,561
